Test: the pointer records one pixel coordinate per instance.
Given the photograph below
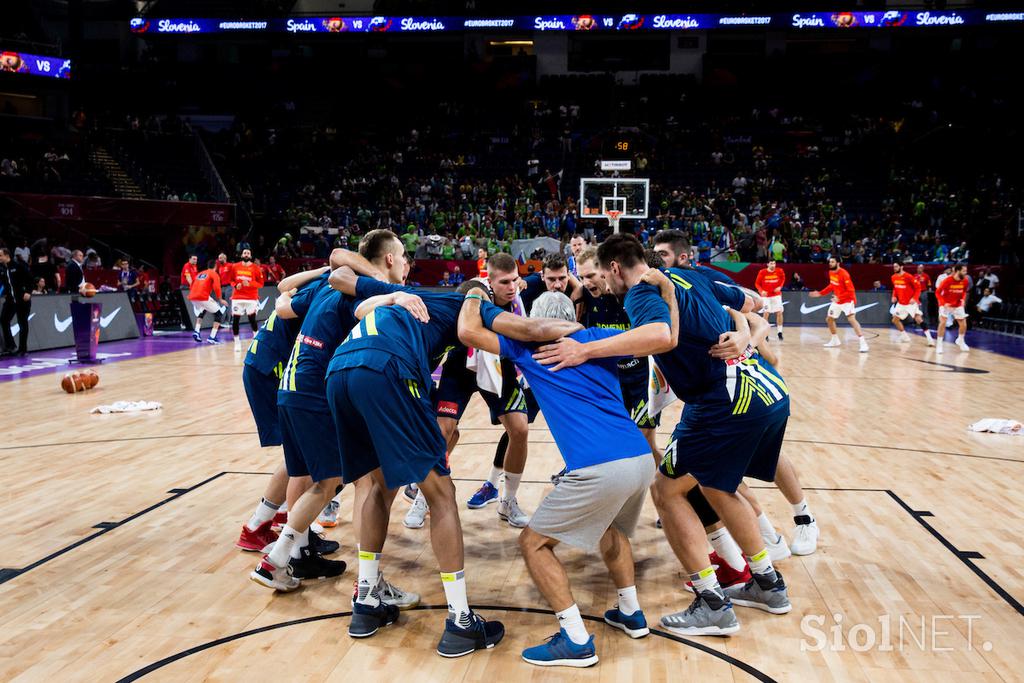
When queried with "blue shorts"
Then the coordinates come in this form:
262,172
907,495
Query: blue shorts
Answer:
261,390
719,455
458,385
634,397
385,420
310,443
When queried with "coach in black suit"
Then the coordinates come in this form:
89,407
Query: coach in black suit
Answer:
17,301
74,275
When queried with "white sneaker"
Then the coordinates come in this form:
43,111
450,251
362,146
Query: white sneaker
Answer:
962,344
777,548
904,338
417,514
938,347
508,510
863,346
238,345
832,343
931,342
805,538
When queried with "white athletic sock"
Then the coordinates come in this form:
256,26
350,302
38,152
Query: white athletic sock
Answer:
628,602
455,593
802,508
264,512
835,337
512,485
300,542
727,549
761,563
705,580
495,476
765,524
369,568
284,507
572,622
282,549
778,328
213,335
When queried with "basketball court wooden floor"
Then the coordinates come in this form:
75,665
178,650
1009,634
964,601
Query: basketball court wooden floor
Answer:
120,559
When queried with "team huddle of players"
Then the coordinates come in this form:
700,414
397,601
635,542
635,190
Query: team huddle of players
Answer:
340,375
951,292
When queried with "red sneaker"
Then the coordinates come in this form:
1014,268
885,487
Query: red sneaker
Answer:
727,576
279,520
256,541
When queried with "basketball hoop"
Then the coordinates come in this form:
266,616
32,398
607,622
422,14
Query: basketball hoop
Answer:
613,220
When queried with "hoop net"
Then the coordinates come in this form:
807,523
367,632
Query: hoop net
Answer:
613,219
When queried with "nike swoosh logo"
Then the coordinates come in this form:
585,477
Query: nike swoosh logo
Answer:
61,325
858,309
805,309
106,319
263,303
16,328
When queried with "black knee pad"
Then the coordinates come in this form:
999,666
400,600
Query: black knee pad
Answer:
702,507
499,452
201,314
217,317
252,321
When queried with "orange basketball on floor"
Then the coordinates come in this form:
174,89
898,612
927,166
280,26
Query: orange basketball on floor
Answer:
92,378
88,289
72,383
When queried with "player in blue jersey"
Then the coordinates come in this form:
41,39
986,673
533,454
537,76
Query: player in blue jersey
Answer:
600,496
674,249
378,386
310,442
737,407
261,375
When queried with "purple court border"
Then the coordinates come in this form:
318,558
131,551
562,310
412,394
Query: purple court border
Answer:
59,360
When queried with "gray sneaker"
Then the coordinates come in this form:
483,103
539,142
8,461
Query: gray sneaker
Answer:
761,594
710,614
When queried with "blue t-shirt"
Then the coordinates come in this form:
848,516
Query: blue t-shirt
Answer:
582,405
606,312
329,319
711,388
391,333
273,342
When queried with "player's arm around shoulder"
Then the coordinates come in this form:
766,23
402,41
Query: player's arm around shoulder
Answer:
297,280
472,332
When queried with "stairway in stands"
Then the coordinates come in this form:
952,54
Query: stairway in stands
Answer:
124,185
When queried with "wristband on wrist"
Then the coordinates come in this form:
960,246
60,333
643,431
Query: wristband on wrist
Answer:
475,296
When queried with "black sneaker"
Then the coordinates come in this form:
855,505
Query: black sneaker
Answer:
321,545
780,336
312,566
367,620
480,635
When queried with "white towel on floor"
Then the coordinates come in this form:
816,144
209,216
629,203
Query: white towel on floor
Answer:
998,426
127,407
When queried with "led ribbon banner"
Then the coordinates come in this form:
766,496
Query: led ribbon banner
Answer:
583,22
34,65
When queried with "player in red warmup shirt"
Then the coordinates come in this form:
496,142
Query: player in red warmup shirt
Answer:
189,272
225,271
248,278
204,295
844,300
924,285
952,296
769,283
905,293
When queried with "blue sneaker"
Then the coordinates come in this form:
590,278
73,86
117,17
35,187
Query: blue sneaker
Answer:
634,625
479,635
485,495
561,651
212,340
367,620
197,337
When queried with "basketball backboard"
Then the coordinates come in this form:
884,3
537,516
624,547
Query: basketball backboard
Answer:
628,196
